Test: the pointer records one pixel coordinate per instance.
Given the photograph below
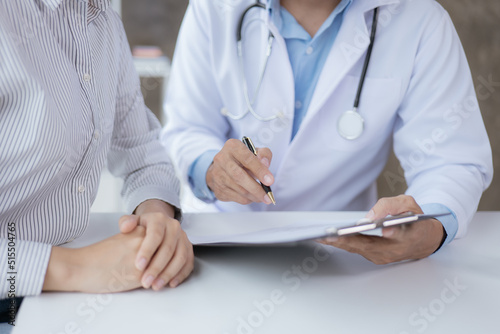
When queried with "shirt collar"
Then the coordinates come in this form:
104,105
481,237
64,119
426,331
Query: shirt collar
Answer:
339,10
274,9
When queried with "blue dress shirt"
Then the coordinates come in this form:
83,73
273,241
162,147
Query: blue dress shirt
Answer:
307,54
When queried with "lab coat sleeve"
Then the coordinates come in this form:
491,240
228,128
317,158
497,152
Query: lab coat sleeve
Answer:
193,103
439,137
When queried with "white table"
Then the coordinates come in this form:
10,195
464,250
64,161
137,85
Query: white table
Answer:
254,290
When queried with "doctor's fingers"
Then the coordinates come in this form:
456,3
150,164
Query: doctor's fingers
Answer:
225,188
238,194
243,183
375,249
244,157
265,156
410,242
393,206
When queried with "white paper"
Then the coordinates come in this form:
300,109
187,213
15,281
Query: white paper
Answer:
261,228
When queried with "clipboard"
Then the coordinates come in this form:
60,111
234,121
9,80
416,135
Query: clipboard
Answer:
270,229
366,225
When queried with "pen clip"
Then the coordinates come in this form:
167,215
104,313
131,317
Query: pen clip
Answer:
248,142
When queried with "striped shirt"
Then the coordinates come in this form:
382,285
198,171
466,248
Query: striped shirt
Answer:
69,99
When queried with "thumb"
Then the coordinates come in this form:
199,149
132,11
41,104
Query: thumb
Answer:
128,223
393,206
265,156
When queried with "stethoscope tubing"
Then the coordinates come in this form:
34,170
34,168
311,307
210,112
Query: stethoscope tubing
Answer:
258,4
249,103
367,59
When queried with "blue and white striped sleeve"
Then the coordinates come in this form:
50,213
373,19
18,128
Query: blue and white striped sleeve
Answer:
136,153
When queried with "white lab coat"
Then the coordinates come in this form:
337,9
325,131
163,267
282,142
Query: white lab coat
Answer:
418,96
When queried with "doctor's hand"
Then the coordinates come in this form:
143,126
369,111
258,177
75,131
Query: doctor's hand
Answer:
231,177
406,242
166,255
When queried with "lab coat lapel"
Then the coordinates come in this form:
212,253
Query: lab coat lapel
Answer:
350,45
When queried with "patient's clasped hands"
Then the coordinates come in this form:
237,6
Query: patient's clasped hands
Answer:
152,251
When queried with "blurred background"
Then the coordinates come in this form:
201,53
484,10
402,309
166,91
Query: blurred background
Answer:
152,27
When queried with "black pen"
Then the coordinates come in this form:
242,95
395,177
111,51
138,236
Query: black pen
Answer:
248,142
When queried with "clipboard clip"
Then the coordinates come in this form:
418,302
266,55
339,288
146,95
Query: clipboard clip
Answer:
364,225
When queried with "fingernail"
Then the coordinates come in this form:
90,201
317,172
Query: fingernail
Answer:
268,179
126,221
141,264
148,281
265,162
160,283
267,200
174,283
370,215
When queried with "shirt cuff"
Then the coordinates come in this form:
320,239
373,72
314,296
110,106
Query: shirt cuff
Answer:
153,192
27,274
450,222
197,176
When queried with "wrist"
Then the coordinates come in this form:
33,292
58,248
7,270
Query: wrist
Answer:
443,238
62,270
208,176
155,205
436,234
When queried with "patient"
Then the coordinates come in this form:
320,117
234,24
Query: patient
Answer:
70,101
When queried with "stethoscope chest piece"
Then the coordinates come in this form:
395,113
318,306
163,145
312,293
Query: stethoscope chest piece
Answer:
350,125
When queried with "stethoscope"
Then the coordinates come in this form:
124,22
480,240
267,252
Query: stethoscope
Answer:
350,124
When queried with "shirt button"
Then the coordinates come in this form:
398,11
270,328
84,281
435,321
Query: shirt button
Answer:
86,77
298,104
81,188
96,134
309,50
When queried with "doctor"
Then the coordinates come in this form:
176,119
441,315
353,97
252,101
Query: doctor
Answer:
326,88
